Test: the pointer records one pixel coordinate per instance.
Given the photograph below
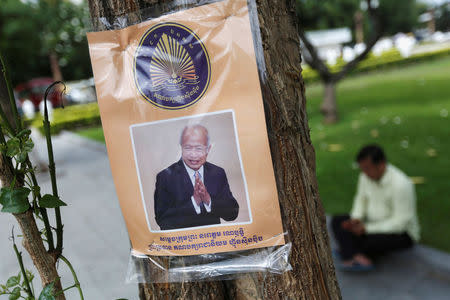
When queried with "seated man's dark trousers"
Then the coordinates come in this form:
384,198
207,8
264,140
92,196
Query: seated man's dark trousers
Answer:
372,245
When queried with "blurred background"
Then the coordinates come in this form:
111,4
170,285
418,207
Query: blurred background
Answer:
397,94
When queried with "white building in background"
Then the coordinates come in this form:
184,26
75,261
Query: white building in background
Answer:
404,43
348,54
329,43
382,45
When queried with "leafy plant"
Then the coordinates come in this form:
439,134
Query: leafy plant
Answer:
21,196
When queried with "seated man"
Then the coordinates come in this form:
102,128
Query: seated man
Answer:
383,217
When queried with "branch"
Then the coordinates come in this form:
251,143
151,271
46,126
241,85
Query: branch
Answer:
43,211
324,72
75,278
22,269
52,169
314,61
375,36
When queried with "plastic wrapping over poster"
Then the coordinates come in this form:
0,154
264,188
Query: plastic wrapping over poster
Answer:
182,113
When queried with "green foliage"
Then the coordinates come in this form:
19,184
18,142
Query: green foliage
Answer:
387,59
13,281
14,200
443,17
71,117
18,146
325,14
14,287
15,294
398,16
395,16
19,42
31,29
50,201
406,111
47,293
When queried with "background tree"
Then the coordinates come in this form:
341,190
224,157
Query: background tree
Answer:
293,158
442,15
399,16
35,33
385,17
325,14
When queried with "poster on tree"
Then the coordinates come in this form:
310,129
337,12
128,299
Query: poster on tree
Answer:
183,118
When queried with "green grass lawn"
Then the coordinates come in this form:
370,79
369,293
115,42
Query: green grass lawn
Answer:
95,133
405,111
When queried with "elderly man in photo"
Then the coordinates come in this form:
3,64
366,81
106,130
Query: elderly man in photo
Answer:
383,217
193,192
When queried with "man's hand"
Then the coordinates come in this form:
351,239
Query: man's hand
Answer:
354,225
206,198
358,229
201,193
197,194
347,224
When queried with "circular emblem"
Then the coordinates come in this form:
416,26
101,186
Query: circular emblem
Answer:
171,66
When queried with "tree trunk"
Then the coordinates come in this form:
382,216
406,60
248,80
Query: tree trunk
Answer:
54,65
313,275
359,27
328,108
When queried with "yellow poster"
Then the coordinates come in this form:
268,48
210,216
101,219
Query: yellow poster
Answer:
184,125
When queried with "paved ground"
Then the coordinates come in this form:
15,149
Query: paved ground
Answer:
98,246
414,274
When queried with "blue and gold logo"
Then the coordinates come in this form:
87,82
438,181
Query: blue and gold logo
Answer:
171,66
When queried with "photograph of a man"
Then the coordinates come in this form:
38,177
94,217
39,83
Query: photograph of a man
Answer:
193,192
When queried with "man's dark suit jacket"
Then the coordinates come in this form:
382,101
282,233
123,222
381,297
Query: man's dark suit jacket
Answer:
173,204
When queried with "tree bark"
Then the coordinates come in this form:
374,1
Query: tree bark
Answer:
358,19
54,65
328,108
293,157
45,262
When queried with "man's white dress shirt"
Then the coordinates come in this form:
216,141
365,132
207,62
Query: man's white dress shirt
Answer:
387,205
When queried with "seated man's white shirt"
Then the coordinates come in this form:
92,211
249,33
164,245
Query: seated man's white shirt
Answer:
192,177
387,205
